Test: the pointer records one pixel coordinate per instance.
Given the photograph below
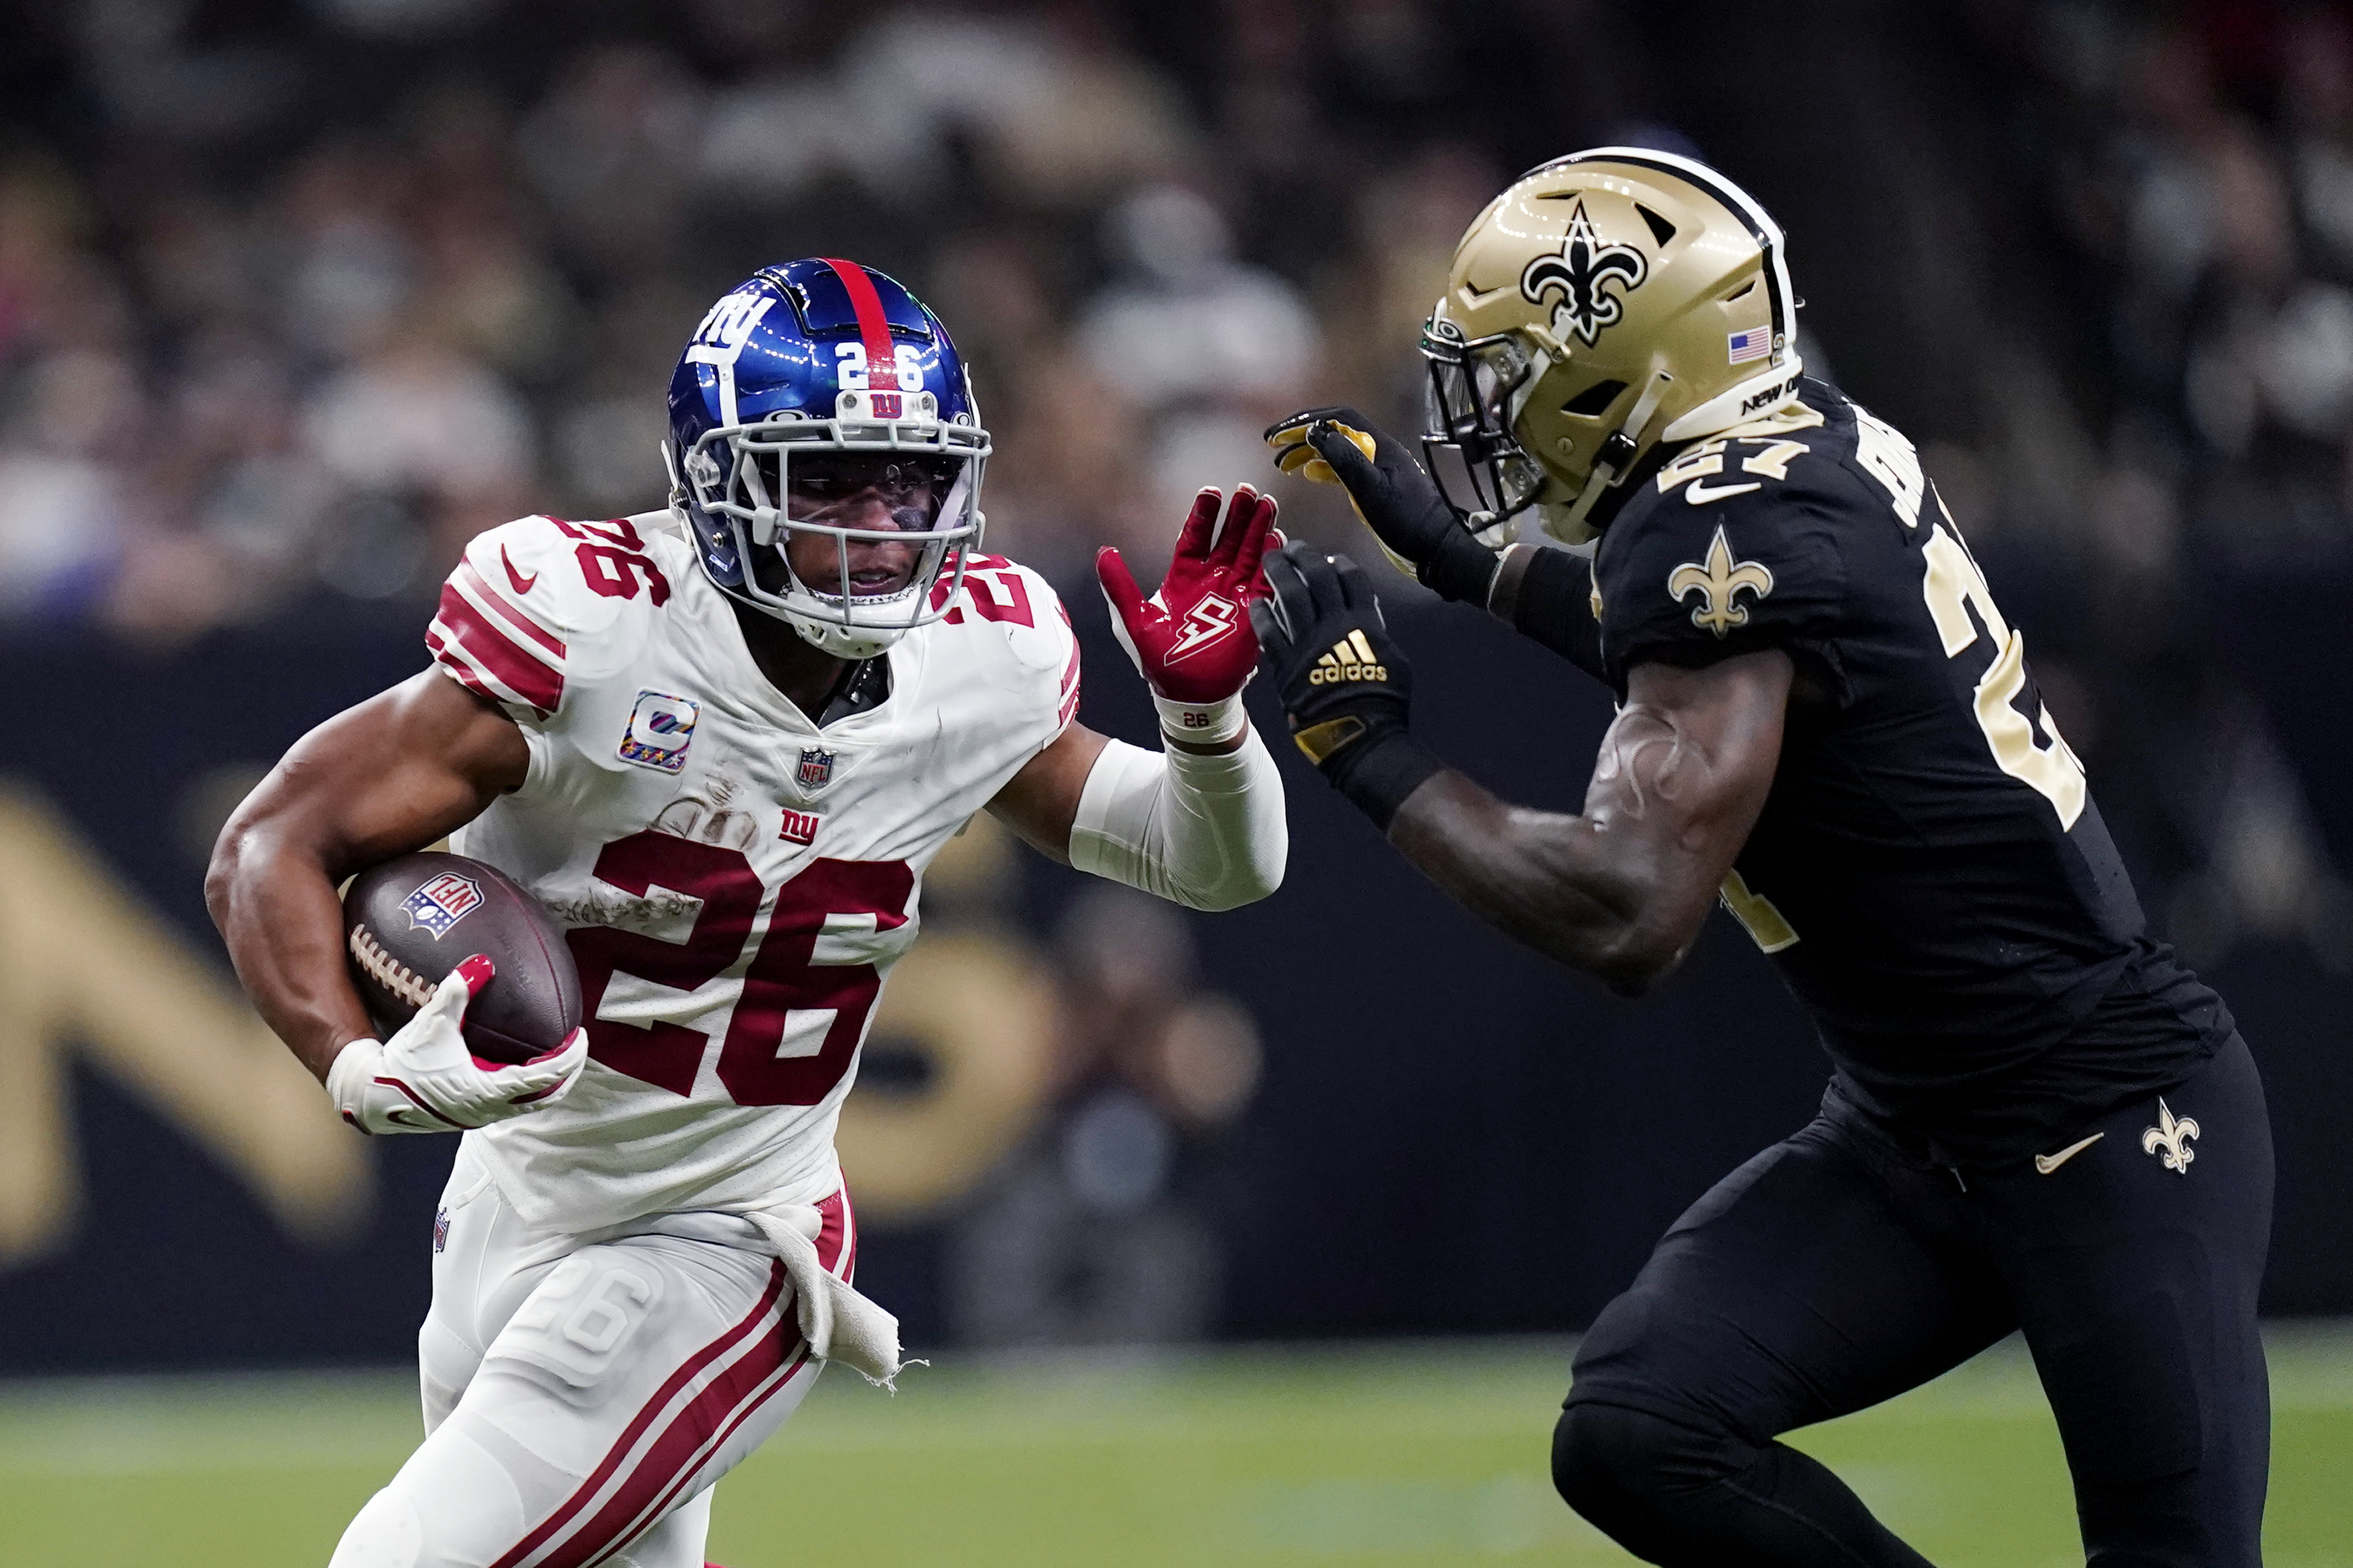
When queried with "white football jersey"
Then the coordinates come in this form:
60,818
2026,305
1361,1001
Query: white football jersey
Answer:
735,882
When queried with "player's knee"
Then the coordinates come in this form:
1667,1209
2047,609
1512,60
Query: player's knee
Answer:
1616,1466
453,1505
385,1533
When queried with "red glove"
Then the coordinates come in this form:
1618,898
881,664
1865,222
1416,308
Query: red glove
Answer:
1192,641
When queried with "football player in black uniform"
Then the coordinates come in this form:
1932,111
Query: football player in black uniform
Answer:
2037,1118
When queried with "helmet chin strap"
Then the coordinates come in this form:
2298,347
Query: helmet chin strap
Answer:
1617,454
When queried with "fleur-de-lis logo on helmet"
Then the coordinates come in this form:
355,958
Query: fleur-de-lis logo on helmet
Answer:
1577,275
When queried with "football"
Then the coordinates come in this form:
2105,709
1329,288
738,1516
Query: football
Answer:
410,922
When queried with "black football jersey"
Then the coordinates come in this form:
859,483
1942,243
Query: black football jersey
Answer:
1929,870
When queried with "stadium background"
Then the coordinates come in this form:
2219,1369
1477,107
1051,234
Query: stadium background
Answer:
297,295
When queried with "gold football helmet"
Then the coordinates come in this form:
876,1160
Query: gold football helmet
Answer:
1608,301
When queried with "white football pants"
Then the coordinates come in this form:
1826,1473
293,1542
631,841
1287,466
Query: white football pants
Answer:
584,1393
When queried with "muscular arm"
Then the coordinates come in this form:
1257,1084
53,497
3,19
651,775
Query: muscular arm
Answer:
1039,802
1620,891
399,771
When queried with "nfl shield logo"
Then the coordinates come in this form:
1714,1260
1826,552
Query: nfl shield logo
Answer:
441,1231
817,768
442,903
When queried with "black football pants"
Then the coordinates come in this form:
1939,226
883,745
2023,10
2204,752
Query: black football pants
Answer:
1831,1273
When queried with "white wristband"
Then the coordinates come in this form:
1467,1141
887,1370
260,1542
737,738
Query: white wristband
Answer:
354,1068
1202,723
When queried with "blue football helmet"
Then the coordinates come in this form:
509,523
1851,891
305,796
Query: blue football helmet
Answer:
796,364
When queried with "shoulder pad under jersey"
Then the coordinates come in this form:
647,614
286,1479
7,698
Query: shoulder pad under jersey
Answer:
1004,605
1727,549
540,605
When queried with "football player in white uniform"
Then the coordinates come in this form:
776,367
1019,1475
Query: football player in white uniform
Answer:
721,743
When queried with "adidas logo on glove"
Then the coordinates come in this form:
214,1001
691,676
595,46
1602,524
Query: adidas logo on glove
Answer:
1351,659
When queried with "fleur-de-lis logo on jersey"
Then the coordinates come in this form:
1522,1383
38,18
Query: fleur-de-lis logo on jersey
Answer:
1718,581
1577,275
2170,1140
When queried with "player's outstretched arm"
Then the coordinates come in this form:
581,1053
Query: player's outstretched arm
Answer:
1538,591
405,768
1199,822
1618,891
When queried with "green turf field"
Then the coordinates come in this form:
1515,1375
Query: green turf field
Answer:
1395,1456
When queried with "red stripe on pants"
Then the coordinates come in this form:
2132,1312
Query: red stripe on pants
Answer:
837,1252
587,1490
679,1452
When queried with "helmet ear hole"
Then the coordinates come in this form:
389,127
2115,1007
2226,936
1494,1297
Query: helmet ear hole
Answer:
1595,400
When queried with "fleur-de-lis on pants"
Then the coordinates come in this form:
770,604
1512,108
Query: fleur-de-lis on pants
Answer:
2170,1140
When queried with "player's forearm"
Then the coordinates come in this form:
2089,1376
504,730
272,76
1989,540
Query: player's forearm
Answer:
276,906
402,769
1205,829
1552,882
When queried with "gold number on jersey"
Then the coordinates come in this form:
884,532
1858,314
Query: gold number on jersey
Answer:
1888,457
1757,917
1952,584
1701,461
1774,461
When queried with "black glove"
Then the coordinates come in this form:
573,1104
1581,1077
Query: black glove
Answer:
1345,684
1396,499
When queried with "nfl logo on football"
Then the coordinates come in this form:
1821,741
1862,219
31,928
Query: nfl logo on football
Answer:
817,768
441,903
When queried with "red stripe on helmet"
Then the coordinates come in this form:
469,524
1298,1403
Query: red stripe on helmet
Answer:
881,359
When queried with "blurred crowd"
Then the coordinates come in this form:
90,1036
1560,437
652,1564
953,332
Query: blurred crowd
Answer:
2195,165
2206,173
297,296
274,336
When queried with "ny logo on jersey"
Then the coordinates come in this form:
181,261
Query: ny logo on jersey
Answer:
1578,274
800,828
816,770
1211,618
2170,1140
1718,581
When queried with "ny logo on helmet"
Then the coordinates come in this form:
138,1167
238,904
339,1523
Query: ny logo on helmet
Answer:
1578,274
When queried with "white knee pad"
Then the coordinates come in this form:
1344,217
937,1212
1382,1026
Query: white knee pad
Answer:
386,1533
471,1498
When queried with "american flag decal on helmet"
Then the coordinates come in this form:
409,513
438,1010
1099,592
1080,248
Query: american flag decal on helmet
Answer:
1754,343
